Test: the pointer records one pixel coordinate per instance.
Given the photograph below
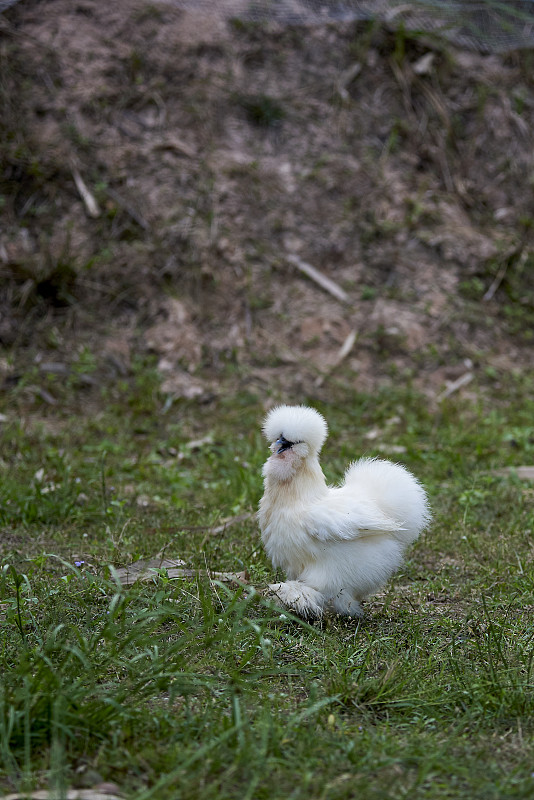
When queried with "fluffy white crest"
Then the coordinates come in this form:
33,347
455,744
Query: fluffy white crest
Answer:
296,424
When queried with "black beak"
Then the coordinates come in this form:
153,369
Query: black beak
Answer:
284,444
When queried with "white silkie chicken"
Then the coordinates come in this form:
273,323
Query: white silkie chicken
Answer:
337,545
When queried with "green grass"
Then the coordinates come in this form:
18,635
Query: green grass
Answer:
179,688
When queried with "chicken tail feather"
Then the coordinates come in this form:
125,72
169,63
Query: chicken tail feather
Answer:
394,490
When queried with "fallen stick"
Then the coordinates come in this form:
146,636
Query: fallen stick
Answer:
343,352
524,473
70,794
179,146
463,380
502,273
326,283
89,201
146,570
346,78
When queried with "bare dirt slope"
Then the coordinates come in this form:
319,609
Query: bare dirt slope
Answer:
165,175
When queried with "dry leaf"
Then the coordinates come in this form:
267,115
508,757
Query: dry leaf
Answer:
423,66
392,449
196,444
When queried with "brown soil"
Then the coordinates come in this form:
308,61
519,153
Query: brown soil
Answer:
164,174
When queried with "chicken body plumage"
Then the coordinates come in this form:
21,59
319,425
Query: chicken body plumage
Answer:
337,545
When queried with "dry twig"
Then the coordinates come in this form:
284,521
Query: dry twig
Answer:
343,352
91,206
346,78
463,380
70,794
501,274
524,473
326,283
146,569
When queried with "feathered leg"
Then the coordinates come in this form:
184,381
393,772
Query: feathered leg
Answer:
343,603
300,598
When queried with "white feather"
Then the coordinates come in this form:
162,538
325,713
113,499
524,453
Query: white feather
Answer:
337,545
296,424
